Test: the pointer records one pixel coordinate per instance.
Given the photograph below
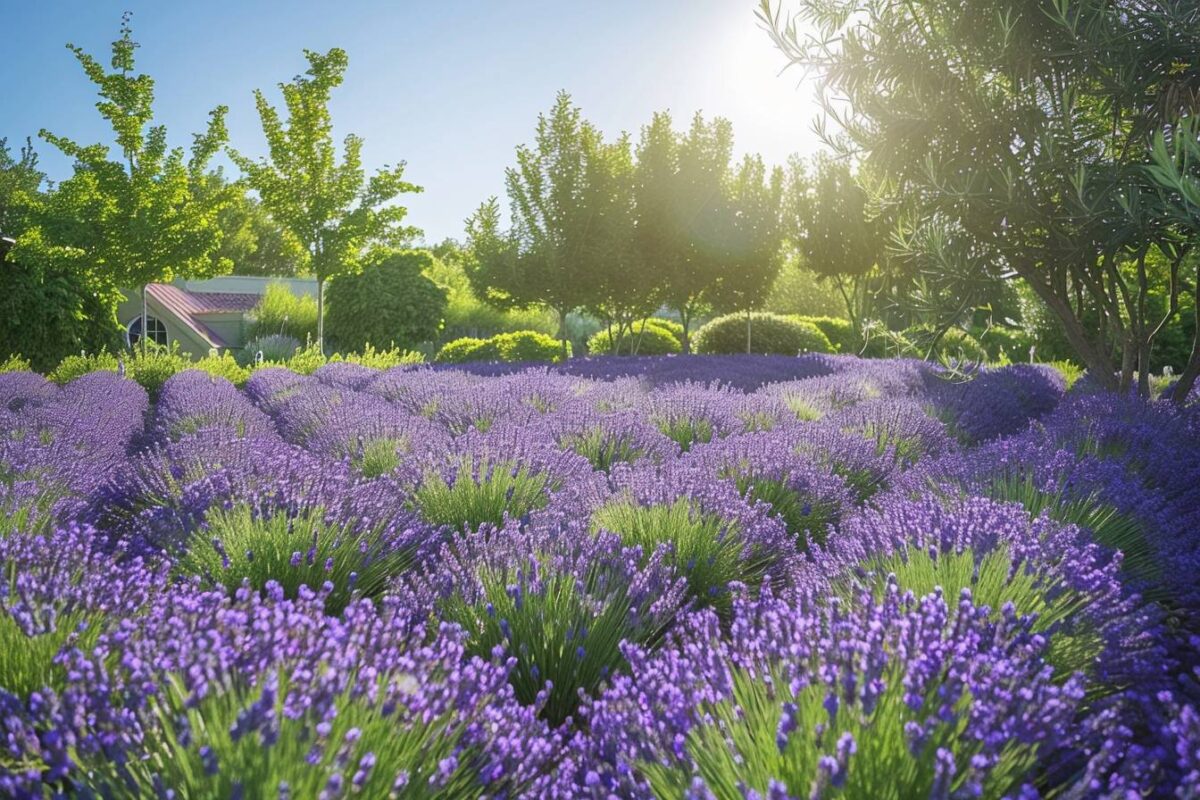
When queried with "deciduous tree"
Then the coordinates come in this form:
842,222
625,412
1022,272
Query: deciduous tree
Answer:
328,206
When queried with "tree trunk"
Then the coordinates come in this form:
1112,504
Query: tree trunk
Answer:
1099,365
1187,378
562,332
321,315
685,342
1144,369
748,350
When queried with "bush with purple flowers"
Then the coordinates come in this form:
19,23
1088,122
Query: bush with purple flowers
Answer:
662,576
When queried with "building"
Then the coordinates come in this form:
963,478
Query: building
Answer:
200,316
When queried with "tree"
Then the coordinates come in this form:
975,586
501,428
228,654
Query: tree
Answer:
1028,129
752,234
690,208
559,192
331,209
20,187
1175,172
389,303
138,219
250,240
830,223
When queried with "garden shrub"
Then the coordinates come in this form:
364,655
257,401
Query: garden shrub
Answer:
15,363
516,346
390,303
1070,371
379,359
521,346
223,366
655,340
281,313
73,367
840,333
152,367
1003,342
466,349
769,334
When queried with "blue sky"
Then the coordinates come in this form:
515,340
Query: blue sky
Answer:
449,86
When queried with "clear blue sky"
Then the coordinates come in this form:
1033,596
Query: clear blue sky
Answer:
449,87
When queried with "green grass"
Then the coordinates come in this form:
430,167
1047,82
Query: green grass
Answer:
378,457
685,431
26,663
806,517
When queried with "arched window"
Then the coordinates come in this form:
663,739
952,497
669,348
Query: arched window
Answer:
156,330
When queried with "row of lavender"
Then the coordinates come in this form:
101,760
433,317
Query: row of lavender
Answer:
617,579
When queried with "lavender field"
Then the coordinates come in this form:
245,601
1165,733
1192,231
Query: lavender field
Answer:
702,577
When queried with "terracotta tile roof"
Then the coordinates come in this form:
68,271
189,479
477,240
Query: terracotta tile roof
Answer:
187,306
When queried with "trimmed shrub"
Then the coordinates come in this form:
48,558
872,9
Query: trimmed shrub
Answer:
466,349
840,332
391,302
769,334
281,313
514,347
529,346
655,340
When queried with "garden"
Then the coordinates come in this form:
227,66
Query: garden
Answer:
875,474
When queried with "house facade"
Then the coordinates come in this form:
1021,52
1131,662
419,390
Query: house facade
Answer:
200,316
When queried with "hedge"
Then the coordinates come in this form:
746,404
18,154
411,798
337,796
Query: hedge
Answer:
954,343
769,334
840,333
515,346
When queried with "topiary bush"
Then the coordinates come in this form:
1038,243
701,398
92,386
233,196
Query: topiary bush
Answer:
280,312
529,346
379,359
655,340
391,302
769,334
465,349
15,364
516,346
841,334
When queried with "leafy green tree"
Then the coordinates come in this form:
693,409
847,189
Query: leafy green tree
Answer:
20,187
559,192
250,240
331,209
1027,127
752,233
390,303
697,208
1175,173
138,218
830,223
